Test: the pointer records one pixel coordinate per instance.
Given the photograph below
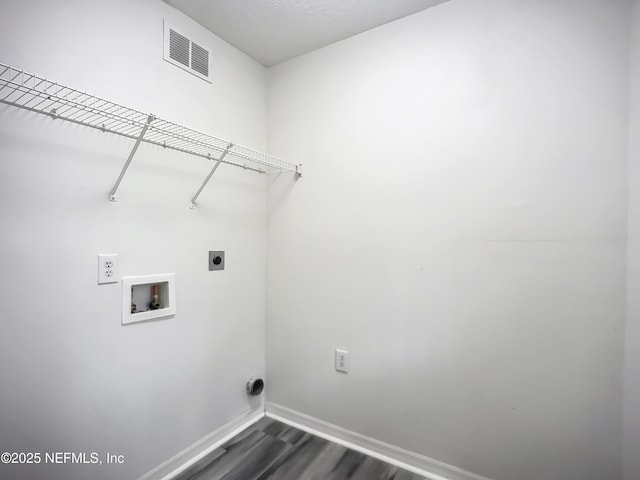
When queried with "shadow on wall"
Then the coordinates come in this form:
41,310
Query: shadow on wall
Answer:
279,187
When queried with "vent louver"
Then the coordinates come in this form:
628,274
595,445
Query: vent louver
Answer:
186,54
178,48
200,59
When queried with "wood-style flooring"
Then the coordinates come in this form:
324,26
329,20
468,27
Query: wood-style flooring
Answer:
271,450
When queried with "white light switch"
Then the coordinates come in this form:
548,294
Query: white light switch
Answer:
342,361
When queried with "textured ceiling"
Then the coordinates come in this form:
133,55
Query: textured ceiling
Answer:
272,31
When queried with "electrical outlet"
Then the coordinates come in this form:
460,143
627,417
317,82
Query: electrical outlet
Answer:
108,271
216,260
342,361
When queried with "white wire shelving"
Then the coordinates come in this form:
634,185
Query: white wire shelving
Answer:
38,94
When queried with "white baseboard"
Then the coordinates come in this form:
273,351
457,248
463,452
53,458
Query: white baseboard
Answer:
190,455
405,459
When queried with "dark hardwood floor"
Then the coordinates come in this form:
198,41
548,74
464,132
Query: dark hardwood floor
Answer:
270,450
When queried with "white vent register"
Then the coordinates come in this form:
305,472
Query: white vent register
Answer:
185,53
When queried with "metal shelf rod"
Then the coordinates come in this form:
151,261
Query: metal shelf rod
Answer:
112,193
206,180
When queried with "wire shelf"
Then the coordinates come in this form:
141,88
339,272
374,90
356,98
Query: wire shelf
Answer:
37,94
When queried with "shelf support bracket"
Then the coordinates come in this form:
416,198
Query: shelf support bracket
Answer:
112,193
206,180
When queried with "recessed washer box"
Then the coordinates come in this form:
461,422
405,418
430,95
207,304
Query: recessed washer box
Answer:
139,301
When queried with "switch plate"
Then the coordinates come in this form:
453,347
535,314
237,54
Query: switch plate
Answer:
216,260
108,271
342,361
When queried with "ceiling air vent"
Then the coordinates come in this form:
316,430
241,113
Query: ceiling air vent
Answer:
186,54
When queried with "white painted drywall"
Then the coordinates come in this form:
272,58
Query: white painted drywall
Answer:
73,378
632,334
460,229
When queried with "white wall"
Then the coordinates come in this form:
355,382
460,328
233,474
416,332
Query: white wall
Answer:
460,229
73,378
632,357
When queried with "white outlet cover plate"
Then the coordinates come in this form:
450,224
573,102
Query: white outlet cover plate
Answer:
108,268
342,361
